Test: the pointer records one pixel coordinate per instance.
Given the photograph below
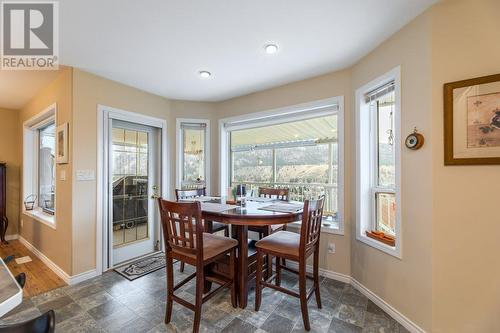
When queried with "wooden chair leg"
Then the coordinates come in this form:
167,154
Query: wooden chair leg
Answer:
269,266
232,274
200,284
277,281
258,280
316,277
226,231
181,269
170,288
283,261
303,295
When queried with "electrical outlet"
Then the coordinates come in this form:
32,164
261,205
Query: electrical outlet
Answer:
331,247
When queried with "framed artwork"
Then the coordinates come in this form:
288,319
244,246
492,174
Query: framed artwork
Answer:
472,121
62,152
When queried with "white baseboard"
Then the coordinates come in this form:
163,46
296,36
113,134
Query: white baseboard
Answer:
11,237
68,279
74,279
389,309
323,272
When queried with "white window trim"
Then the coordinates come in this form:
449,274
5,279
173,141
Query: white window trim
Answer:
297,112
30,164
179,149
365,210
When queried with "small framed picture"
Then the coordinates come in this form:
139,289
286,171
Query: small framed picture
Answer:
472,121
62,152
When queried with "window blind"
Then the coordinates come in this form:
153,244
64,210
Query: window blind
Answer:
380,92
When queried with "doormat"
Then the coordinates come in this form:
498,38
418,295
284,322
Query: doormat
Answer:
142,266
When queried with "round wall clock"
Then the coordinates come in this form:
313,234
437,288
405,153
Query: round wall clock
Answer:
414,141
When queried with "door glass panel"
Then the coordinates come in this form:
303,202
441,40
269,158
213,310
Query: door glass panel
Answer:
130,186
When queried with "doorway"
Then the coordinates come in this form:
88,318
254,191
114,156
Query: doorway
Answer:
132,148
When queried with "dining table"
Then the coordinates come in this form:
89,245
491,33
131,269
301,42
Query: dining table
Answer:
255,212
11,294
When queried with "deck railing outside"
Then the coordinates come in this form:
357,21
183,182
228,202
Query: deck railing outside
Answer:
301,192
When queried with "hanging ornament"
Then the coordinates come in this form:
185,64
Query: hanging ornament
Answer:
390,131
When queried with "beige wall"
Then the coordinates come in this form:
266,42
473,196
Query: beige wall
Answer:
465,221
89,91
325,86
10,154
405,283
54,243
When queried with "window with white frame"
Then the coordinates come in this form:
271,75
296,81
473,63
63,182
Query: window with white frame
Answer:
39,166
299,148
192,153
46,167
378,136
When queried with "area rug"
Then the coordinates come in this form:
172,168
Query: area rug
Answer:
142,266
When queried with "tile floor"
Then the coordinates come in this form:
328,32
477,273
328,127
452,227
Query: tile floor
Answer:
110,303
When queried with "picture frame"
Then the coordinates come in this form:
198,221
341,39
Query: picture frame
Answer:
62,153
472,121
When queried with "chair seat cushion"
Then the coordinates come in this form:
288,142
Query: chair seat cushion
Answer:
217,226
213,245
285,242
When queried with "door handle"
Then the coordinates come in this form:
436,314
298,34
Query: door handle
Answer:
155,194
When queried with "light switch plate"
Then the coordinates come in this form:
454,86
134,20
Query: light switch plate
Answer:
85,175
62,175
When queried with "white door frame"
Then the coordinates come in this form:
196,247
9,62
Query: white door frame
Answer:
104,114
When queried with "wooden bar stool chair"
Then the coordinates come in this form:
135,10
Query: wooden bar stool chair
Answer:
279,194
282,194
295,247
210,226
187,241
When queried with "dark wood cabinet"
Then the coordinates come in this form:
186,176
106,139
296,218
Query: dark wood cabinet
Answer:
4,222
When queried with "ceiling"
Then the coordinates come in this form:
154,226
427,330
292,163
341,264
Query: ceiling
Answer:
161,45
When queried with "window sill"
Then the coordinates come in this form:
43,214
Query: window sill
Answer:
47,219
394,251
333,229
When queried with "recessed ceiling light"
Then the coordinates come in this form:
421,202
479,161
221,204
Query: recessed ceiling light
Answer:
205,74
271,48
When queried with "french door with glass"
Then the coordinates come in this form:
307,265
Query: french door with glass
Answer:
134,179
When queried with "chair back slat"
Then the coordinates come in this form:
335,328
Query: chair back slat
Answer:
311,223
190,194
182,226
277,193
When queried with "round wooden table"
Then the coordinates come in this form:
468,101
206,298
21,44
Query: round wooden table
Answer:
240,218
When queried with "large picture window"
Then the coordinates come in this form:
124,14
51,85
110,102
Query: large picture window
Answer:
301,153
